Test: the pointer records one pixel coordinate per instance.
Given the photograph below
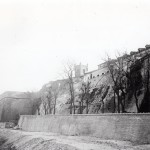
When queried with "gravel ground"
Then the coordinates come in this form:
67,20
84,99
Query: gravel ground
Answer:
20,140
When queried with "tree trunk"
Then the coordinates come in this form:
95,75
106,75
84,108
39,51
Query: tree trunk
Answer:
71,107
38,110
55,106
102,106
136,102
87,106
73,97
82,107
118,98
114,103
122,106
45,111
123,102
74,110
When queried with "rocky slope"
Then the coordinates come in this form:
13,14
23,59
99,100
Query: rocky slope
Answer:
63,100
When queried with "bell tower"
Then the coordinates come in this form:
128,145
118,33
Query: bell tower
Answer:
80,70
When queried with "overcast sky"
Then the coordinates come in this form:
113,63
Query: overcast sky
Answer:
36,36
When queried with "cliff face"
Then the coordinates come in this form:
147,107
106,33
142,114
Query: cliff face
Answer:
139,95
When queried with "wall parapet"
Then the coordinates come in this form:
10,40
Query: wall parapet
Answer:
102,114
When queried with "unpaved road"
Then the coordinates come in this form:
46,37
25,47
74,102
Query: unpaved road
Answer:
20,140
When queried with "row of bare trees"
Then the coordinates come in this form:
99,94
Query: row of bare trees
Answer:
49,98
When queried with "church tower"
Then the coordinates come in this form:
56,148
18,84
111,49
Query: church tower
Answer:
80,70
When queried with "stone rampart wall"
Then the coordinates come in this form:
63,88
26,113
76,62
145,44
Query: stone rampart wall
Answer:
131,127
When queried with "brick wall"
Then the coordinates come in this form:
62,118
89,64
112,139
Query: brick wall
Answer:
131,127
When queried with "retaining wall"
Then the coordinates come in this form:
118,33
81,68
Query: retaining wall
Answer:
131,127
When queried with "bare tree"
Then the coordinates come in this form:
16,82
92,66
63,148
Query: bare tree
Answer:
85,95
55,92
69,75
44,104
119,72
81,96
49,98
105,92
113,73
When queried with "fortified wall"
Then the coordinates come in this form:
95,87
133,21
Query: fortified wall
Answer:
130,127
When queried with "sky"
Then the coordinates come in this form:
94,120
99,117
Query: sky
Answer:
37,36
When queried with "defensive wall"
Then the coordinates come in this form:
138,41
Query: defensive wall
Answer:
131,127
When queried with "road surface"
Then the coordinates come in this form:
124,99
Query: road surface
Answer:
21,140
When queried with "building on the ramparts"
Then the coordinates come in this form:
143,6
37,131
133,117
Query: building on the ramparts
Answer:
80,70
95,75
102,65
88,75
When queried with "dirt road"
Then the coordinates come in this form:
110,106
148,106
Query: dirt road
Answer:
20,140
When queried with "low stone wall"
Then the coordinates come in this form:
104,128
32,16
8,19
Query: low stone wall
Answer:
131,127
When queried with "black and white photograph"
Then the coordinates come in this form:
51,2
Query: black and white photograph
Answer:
74,75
